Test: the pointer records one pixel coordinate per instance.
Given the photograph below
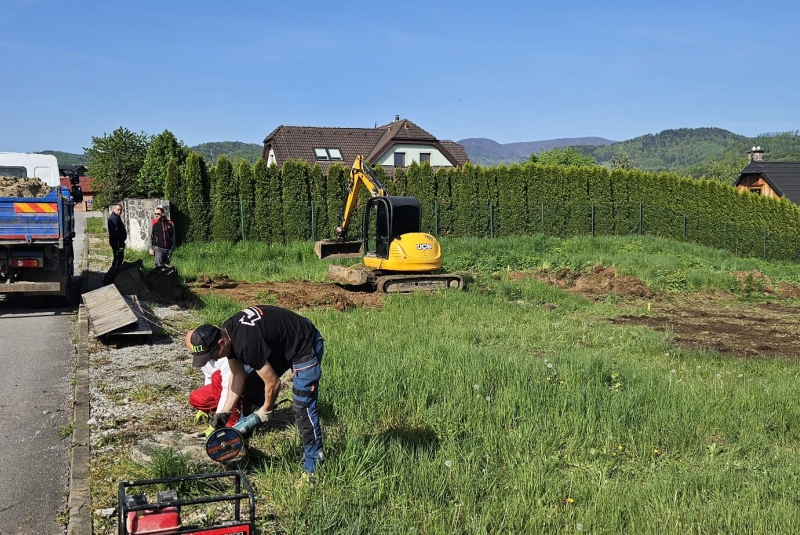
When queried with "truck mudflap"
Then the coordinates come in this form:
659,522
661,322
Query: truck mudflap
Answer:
418,283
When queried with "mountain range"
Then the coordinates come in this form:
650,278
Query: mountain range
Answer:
489,152
688,151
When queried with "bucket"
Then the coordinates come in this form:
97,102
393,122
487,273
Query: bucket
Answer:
330,249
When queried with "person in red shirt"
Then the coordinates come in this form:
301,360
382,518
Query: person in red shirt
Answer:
212,396
162,238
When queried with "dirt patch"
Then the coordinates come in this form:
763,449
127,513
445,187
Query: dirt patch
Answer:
294,295
720,321
726,324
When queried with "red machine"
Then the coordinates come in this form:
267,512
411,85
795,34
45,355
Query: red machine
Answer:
163,517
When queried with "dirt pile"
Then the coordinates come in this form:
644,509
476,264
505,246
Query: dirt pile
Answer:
30,187
756,282
596,282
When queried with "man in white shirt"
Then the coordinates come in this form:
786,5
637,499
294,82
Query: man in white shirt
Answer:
211,397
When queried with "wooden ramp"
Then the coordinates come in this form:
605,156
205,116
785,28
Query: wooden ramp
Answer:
112,313
141,327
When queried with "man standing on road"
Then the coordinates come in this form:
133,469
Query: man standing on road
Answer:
270,340
117,235
162,238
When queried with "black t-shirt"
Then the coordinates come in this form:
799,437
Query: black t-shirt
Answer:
263,334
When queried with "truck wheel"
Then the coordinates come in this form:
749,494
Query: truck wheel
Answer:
70,292
71,289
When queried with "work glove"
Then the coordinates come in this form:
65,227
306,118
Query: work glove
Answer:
219,420
264,416
200,416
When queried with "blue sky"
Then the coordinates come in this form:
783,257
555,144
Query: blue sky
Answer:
508,71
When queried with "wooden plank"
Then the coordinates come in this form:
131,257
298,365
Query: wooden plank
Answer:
141,327
107,310
27,286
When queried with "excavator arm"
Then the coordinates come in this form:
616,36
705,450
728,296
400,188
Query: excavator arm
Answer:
340,246
360,175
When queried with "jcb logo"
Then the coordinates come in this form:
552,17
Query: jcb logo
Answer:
424,247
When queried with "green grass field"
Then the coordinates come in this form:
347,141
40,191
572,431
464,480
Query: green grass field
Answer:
485,412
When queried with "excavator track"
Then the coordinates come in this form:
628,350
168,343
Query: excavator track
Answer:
422,282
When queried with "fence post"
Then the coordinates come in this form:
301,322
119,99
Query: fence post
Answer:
436,217
491,221
592,220
543,232
313,225
684,225
640,219
241,217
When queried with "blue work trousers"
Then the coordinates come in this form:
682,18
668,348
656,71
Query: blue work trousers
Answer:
305,390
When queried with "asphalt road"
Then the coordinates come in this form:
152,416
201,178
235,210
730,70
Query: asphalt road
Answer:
37,353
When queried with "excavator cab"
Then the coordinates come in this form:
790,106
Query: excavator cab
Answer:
387,218
393,240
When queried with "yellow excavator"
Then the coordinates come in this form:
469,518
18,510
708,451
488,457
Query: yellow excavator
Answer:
397,255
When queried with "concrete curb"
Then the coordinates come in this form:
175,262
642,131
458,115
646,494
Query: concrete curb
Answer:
80,496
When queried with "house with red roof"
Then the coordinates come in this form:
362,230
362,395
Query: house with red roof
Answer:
393,146
85,182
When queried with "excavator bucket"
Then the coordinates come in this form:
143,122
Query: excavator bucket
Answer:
127,278
330,249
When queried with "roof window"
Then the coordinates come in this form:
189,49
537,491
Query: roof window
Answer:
328,154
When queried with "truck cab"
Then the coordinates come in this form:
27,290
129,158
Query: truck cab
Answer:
21,165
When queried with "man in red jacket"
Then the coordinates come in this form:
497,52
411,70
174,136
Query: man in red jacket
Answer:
162,238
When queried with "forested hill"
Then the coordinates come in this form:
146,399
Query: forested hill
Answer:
67,158
671,149
690,151
233,150
488,152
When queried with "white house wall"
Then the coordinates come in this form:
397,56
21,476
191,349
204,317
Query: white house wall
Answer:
271,157
412,155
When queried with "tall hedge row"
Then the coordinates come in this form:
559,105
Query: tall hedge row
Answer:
196,181
492,201
247,199
296,199
226,221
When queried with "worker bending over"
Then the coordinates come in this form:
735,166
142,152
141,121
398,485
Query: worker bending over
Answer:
271,340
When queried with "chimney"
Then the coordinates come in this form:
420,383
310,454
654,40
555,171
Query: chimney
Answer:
396,118
756,154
